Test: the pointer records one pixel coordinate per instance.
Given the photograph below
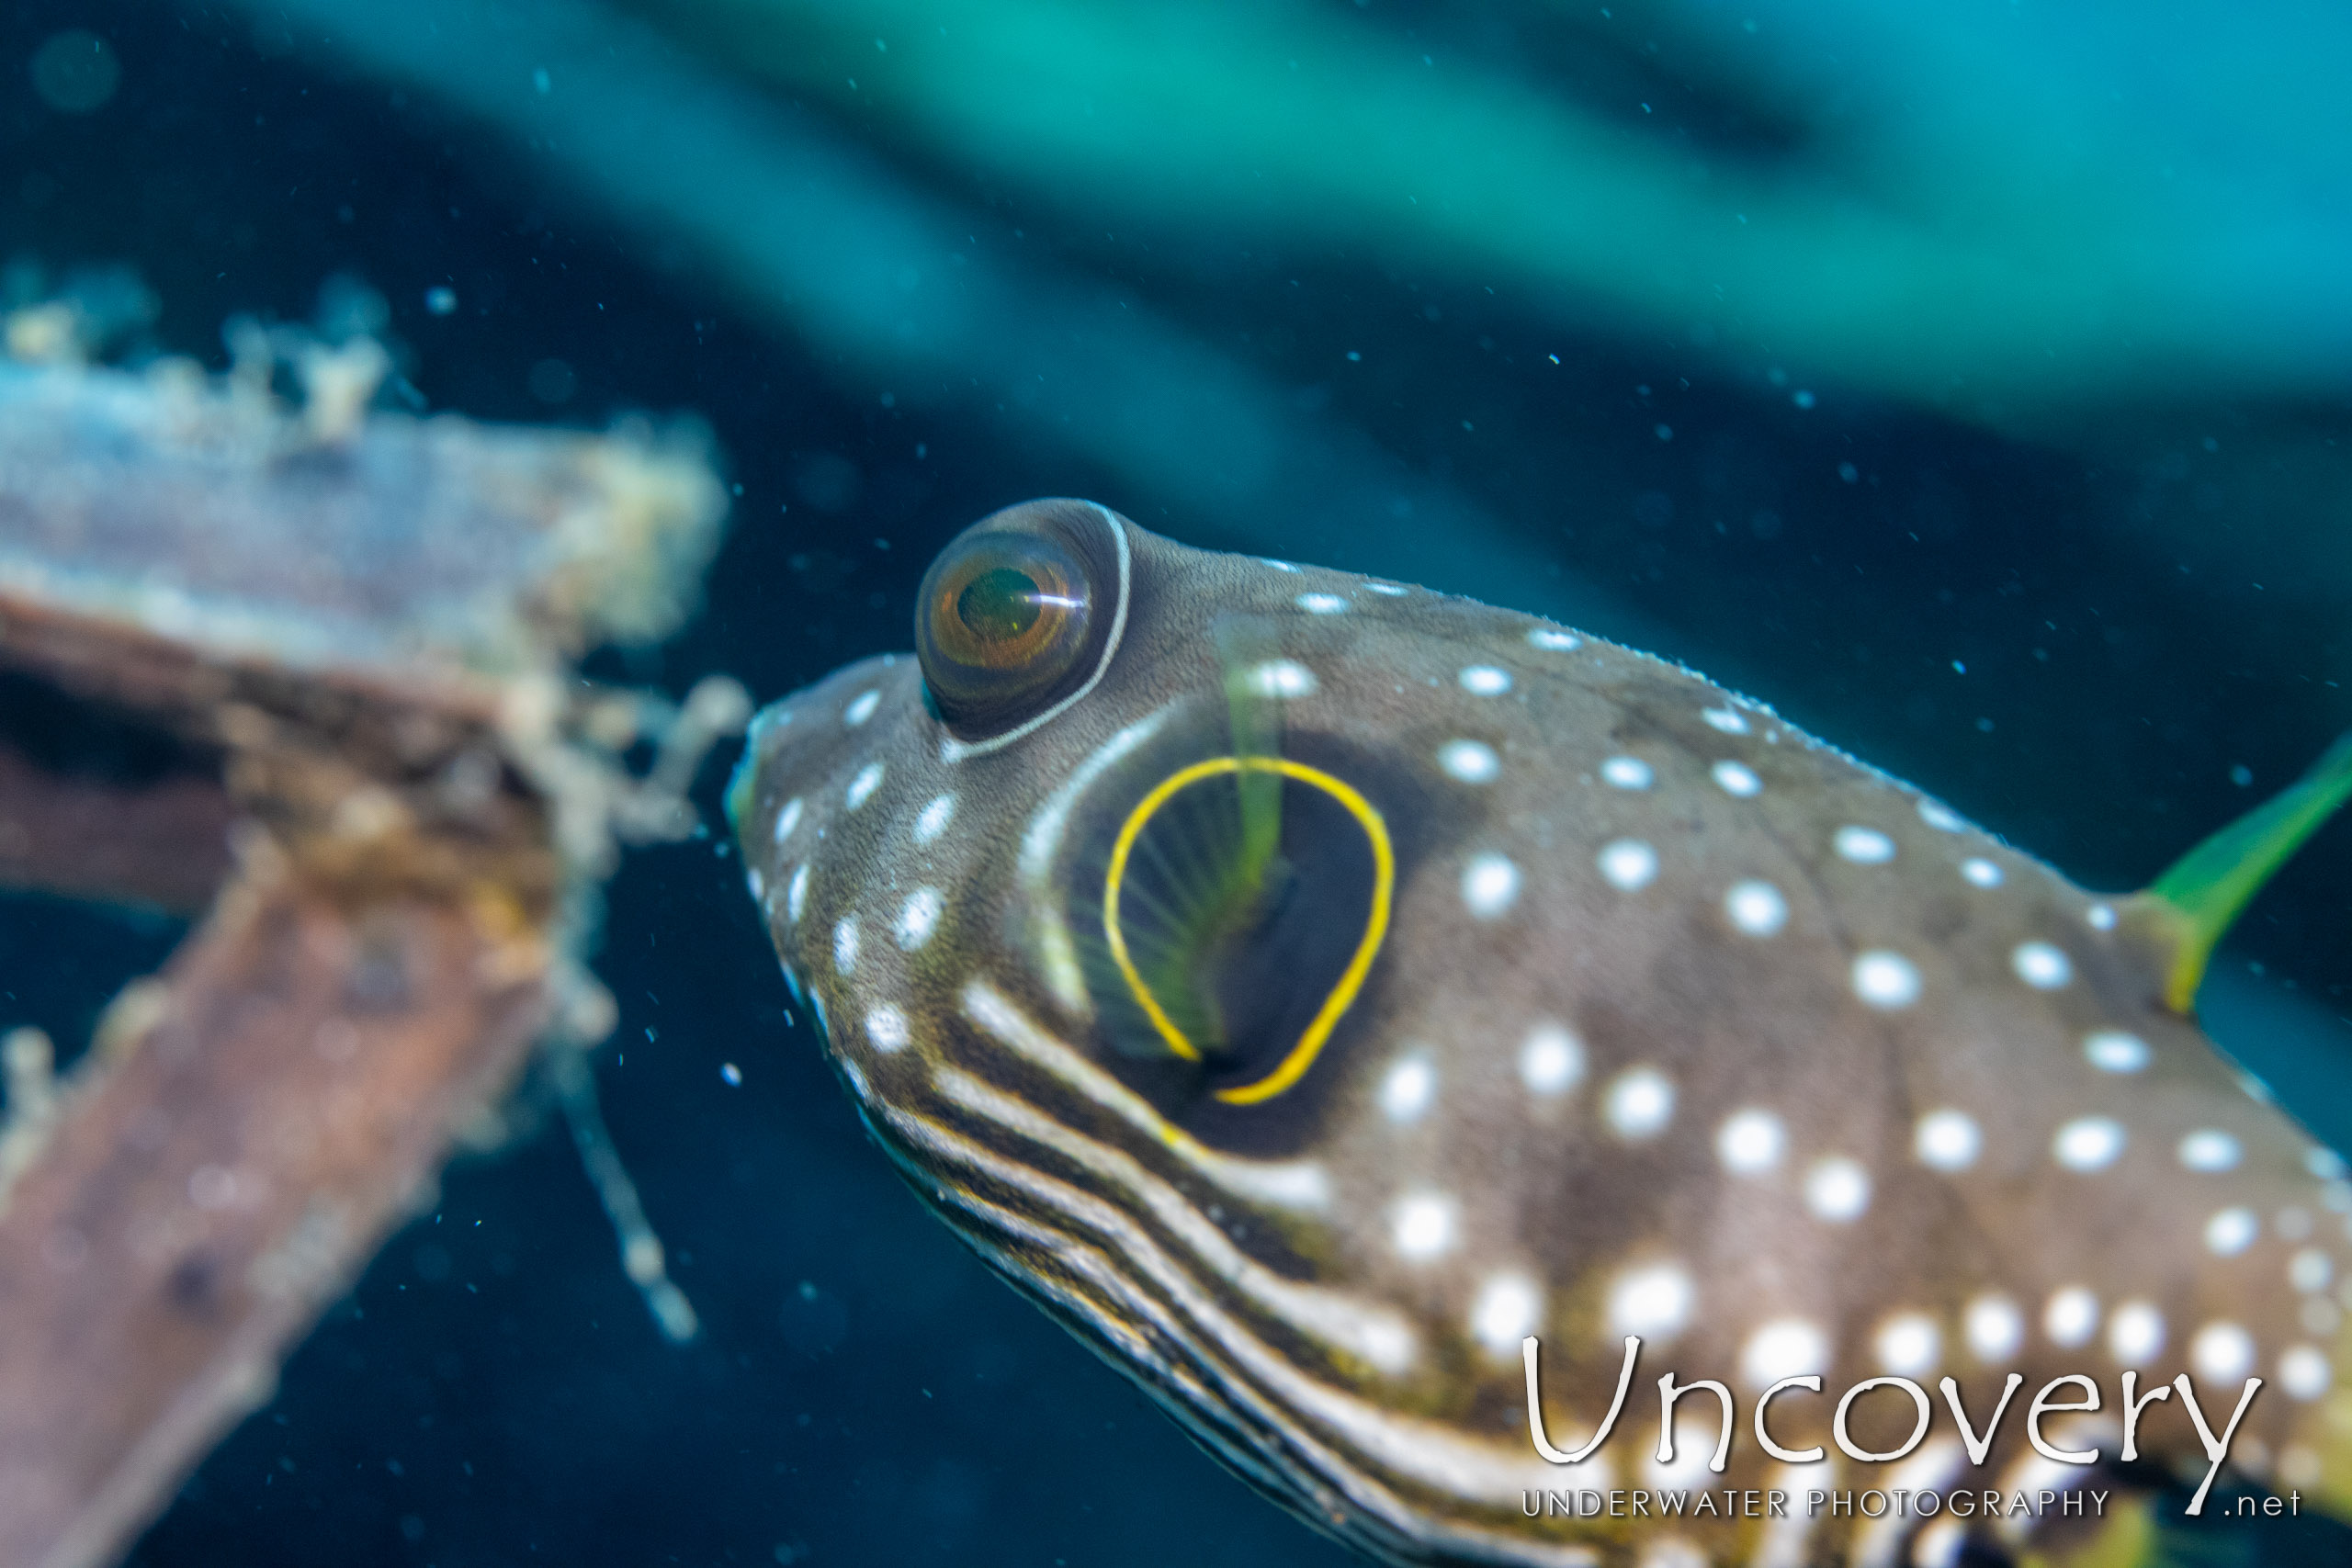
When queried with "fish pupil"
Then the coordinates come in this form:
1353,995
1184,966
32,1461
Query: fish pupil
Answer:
1000,604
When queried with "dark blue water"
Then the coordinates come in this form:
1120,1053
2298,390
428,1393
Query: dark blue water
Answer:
2000,620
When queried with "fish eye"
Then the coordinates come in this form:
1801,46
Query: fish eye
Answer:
1003,625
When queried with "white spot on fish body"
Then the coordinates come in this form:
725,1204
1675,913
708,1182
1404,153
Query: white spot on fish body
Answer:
1785,1348
1552,1061
2209,1148
919,918
1940,817
1386,590
862,788
1554,640
1472,761
1738,779
2113,1051
1728,720
2304,1372
1750,1142
2231,1232
1756,909
1423,1225
1626,773
845,945
2042,965
1640,1102
1409,1090
1838,1190
1321,603
756,883
2088,1143
1864,846
1489,885
934,818
1628,864
1508,1309
861,709
2135,1332
1908,1344
2071,1318
1484,680
1885,980
1651,1299
887,1027
1947,1140
787,820
795,894
2310,1270
2325,1165
1995,1327
1281,677
2100,917
1980,872
2221,1351
1277,565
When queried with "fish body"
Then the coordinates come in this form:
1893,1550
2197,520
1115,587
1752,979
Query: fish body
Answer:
1642,1015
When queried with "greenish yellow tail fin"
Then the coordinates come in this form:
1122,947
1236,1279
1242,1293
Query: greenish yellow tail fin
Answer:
2185,912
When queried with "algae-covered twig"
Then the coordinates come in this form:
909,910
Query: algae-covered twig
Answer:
337,648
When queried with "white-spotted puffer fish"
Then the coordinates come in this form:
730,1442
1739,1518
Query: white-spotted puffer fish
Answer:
1351,1010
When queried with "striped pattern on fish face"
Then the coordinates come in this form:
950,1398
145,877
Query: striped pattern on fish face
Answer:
1683,1025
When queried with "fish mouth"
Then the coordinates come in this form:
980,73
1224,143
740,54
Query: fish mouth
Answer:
797,741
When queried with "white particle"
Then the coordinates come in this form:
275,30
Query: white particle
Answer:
1321,603
1653,1300
2304,1372
2135,1332
1508,1309
934,818
1281,677
1785,1348
919,918
2231,1232
861,709
796,893
1838,1190
1628,864
2310,1270
2100,917
1885,980
1409,1090
2088,1143
1626,773
1750,1142
1947,1140
2209,1148
1980,872
1755,908
845,944
1484,680
887,1027
1423,1225
862,788
1728,720
1551,1062
1940,817
1640,1102
2221,1351
2042,965
1908,1344
1472,761
1864,846
2071,1318
1489,885
1556,640
1737,778
787,820
732,1074
2113,1051
1995,1328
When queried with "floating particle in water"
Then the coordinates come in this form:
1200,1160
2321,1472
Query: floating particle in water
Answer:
441,300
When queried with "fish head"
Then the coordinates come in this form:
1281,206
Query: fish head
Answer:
1312,988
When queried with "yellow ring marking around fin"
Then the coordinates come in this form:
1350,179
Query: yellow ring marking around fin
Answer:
1302,1055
